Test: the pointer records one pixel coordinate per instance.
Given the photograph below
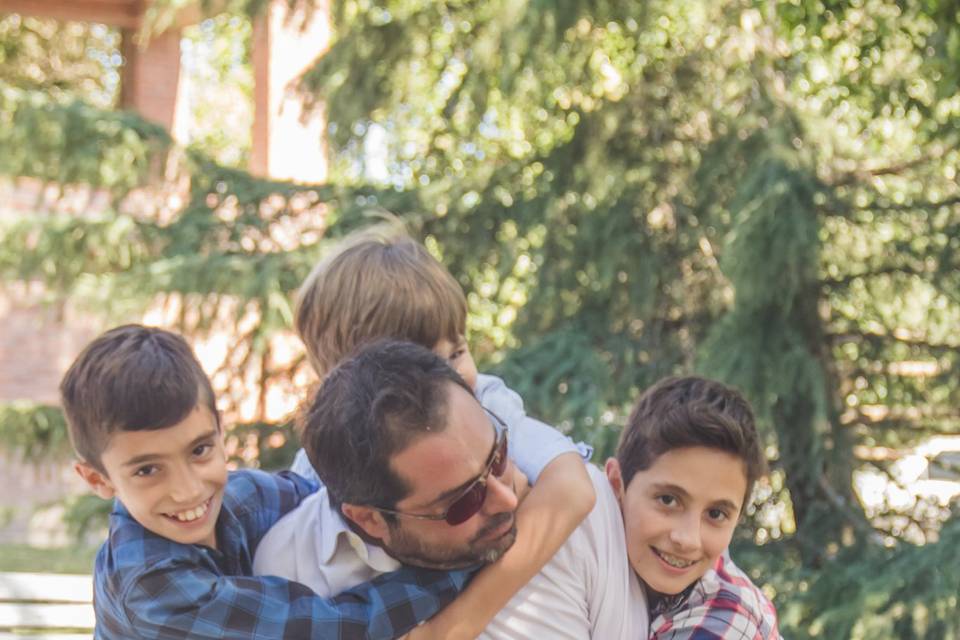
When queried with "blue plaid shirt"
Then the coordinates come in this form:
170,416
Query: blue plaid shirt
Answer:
150,587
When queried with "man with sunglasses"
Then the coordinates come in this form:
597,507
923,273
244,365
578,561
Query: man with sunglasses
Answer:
421,474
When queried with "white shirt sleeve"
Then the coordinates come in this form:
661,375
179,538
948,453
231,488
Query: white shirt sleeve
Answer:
533,444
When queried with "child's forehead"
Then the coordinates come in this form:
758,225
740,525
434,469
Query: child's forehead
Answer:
123,446
699,472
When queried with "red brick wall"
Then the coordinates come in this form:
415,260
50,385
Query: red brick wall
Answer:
39,340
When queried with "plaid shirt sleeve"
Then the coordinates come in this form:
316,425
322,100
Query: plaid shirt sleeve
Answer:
175,602
724,605
152,588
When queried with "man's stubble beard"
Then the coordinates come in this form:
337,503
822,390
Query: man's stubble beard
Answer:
409,550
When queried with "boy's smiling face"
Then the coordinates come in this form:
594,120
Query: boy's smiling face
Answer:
680,514
170,480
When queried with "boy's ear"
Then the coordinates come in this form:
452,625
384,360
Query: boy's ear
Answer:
615,478
98,482
368,519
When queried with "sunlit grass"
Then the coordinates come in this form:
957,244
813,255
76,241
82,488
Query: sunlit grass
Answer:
21,557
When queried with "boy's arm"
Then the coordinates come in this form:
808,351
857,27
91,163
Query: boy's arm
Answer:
178,601
533,444
561,499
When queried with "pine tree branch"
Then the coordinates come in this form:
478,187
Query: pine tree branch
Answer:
852,515
885,338
863,174
910,206
879,271
912,419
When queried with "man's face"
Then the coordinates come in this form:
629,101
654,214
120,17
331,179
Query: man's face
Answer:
438,468
679,515
170,480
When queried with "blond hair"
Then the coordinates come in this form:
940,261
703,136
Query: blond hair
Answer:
377,283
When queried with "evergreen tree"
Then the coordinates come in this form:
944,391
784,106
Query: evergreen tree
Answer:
764,192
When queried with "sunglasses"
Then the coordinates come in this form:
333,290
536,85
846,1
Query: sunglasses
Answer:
468,503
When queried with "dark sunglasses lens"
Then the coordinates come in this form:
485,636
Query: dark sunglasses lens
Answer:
468,505
500,464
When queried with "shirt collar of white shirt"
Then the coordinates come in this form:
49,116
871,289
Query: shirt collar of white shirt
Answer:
333,528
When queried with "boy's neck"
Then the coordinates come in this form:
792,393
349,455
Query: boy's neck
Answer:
661,602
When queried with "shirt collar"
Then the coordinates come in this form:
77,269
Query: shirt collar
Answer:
336,534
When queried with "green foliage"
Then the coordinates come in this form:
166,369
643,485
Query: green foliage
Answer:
74,59
68,142
766,192
218,68
908,593
86,515
34,431
276,444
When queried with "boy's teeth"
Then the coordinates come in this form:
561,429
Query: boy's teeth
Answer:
192,514
673,561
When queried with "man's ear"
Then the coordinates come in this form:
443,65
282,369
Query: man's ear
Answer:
368,519
615,478
98,481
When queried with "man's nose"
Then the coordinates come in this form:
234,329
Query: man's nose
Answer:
500,495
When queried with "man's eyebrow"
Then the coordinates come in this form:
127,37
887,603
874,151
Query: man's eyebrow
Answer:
455,492
148,457
458,490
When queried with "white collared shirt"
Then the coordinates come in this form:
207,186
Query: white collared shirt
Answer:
587,590
313,545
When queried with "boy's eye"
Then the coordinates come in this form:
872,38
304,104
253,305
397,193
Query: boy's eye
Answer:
201,450
718,515
667,500
145,471
457,353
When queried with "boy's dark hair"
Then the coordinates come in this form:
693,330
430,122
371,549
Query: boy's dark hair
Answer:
131,378
690,411
372,406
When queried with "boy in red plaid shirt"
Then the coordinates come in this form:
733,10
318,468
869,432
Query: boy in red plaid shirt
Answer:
684,470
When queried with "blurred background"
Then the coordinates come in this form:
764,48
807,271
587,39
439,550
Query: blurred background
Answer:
763,192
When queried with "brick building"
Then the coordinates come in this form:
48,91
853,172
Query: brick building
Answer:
37,340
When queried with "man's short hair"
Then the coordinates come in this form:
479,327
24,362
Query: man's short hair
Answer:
131,378
371,407
690,411
379,283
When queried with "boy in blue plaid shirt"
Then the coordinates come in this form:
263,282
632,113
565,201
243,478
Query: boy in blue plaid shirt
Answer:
178,561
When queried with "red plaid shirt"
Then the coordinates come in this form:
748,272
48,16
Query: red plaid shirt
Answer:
723,605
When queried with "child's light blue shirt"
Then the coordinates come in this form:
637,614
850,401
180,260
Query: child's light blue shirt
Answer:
533,444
